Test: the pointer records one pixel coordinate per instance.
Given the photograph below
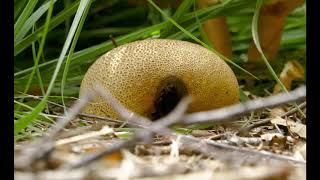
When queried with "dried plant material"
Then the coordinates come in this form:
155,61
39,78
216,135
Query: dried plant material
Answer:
86,147
104,131
79,174
248,173
203,133
274,112
298,128
245,140
58,158
292,70
301,151
132,166
269,137
174,153
272,19
116,156
217,31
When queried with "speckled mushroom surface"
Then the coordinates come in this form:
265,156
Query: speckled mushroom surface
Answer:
134,71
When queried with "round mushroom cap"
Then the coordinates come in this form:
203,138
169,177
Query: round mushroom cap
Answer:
133,73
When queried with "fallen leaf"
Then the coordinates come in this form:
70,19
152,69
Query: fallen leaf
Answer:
270,136
276,112
292,70
298,128
116,156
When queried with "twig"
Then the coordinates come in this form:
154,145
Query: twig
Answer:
108,119
71,114
212,147
227,113
264,121
93,157
104,131
41,147
161,127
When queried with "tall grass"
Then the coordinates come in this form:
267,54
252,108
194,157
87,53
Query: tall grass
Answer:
56,41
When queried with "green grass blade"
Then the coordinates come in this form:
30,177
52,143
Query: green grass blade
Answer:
182,9
73,45
201,30
43,40
23,122
198,40
32,20
256,40
19,46
18,8
255,36
97,50
24,15
34,55
26,120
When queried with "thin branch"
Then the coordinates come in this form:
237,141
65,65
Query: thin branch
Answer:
39,148
161,127
227,113
264,121
71,114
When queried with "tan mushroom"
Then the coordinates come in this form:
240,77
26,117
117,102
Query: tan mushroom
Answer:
150,76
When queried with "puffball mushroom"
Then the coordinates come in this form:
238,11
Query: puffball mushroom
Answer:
150,77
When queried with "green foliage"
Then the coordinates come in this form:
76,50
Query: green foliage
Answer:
56,41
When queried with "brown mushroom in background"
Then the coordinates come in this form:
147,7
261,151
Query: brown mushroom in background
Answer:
216,28
292,70
272,19
217,31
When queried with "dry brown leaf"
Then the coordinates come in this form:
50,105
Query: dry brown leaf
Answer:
116,156
298,128
276,112
268,137
292,70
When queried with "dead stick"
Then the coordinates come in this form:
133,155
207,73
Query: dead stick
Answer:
159,127
226,113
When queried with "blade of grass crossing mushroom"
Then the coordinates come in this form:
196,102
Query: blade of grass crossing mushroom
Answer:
21,123
36,62
255,36
73,45
198,40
